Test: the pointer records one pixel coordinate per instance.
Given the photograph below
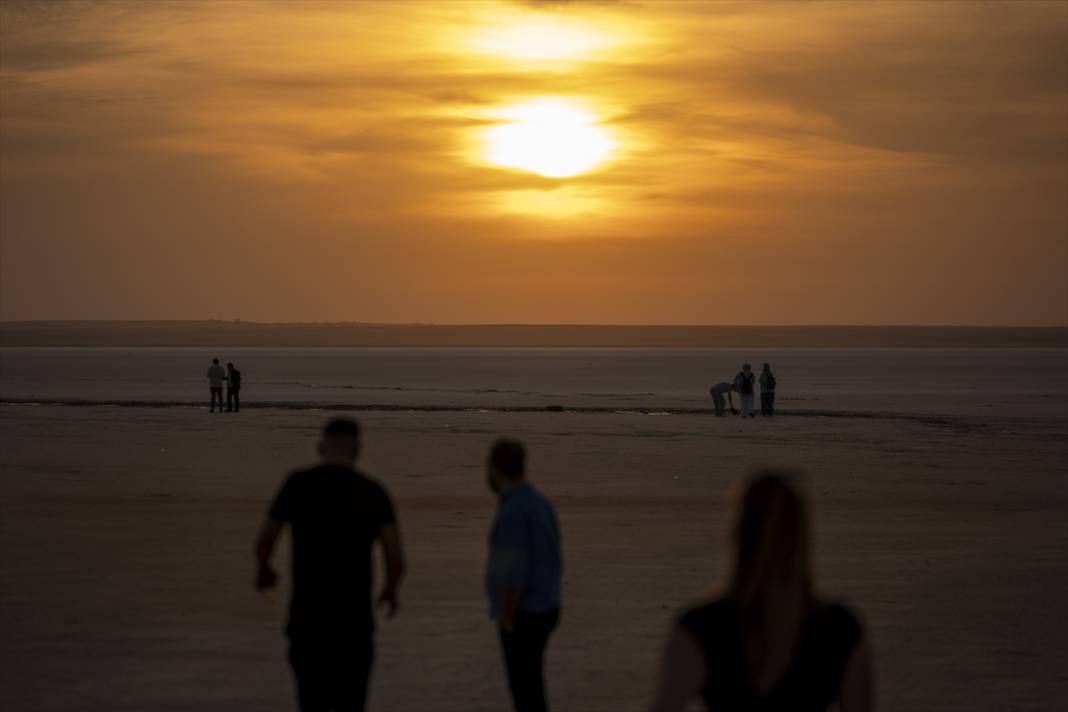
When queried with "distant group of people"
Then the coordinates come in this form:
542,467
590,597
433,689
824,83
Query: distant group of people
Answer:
768,642
231,378
744,384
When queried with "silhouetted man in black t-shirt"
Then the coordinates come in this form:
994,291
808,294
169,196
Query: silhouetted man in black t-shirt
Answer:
335,514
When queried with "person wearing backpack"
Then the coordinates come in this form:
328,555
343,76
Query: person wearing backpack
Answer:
767,391
743,385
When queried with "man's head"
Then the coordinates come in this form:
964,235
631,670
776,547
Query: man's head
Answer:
340,442
230,366
507,464
746,368
215,361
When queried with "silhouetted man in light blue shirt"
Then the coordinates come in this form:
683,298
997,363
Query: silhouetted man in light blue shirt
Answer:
522,574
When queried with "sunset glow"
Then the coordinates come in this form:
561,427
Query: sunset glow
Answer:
552,138
763,163
542,39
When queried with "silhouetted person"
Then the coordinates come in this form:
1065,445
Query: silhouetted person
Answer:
768,643
522,574
216,377
335,515
720,404
743,385
767,391
233,388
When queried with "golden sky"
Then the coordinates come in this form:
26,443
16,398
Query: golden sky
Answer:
651,162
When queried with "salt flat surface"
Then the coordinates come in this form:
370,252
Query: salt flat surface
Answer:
126,532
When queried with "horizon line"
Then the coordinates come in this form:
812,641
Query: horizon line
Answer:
636,325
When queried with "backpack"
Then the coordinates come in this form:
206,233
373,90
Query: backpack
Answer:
746,383
769,381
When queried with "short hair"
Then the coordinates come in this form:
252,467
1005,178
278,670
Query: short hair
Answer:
215,360
509,457
231,365
341,427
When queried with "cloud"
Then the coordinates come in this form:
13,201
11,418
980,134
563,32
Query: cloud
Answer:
878,133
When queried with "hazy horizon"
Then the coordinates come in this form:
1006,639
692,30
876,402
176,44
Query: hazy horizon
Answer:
318,322
181,334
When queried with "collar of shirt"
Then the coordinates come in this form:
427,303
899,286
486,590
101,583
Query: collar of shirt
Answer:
514,491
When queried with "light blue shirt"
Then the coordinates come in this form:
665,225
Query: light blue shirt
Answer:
524,552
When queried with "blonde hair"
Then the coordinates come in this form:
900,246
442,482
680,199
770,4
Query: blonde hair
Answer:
771,578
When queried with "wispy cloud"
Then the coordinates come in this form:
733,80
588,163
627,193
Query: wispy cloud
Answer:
859,139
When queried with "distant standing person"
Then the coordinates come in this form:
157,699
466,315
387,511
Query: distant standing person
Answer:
743,384
720,404
336,514
216,377
233,389
767,643
767,391
522,574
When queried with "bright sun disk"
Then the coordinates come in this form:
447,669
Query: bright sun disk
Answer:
552,138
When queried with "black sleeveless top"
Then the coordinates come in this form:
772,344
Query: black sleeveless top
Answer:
813,681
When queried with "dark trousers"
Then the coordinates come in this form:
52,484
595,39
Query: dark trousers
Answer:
767,402
524,656
233,398
719,402
216,394
332,677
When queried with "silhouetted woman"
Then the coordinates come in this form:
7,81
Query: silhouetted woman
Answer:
768,643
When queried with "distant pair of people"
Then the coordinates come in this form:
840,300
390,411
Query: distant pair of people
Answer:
231,377
744,386
336,514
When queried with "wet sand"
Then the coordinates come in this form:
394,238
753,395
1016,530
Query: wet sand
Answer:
126,536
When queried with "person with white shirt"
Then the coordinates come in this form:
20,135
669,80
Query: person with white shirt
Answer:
216,378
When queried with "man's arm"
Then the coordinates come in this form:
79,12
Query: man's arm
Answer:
858,688
509,607
265,575
514,574
508,566
393,550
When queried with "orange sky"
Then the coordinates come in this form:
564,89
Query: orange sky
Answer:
882,163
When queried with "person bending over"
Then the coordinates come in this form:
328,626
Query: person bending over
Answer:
718,401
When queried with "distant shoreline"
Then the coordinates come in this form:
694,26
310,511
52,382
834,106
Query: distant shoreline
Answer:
172,334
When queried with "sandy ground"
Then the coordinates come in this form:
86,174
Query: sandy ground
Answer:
126,537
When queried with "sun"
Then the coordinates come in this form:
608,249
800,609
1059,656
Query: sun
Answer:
550,137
